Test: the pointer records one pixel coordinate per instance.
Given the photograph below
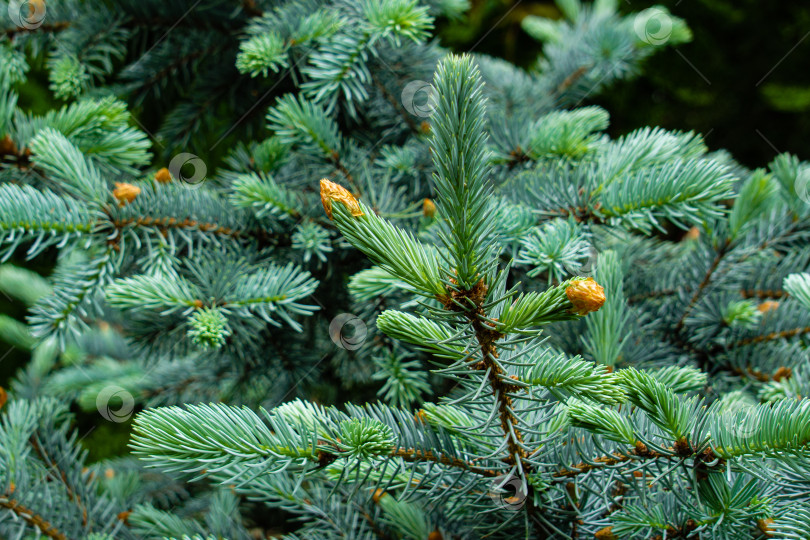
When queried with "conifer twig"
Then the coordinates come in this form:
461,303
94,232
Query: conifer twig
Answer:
760,293
414,455
30,517
703,284
772,336
53,466
396,104
46,27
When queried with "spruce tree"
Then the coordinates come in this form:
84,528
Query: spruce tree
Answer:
568,335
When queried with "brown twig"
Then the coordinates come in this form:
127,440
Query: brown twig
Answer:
640,451
784,334
31,518
469,303
173,223
579,213
52,27
753,293
652,294
413,455
334,158
703,284
60,475
179,61
571,79
781,373
396,105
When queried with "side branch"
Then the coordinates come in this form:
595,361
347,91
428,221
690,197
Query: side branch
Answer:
652,294
413,455
334,158
781,373
752,293
11,33
395,103
706,280
773,336
579,213
640,451
177,63
61,476
30,517
172,223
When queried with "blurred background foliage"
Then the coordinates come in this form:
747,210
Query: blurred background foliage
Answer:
743,82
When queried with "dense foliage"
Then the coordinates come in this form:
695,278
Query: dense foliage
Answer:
570,336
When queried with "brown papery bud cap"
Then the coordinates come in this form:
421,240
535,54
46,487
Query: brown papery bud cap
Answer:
163,176
331,192
586,295
768,305
125,193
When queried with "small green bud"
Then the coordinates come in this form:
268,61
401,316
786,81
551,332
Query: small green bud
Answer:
208,328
